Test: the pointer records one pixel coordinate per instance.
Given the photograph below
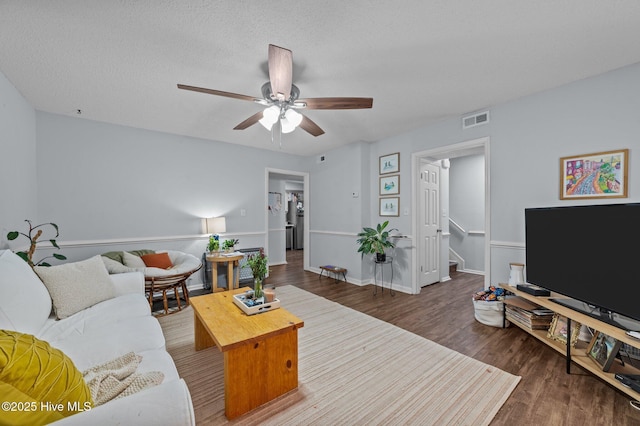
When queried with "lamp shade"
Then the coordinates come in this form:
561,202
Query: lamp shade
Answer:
216,225
270,116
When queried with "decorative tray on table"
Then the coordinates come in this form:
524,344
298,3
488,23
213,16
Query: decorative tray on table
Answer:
250,306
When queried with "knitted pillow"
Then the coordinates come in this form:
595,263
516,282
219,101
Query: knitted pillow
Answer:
35,375
76,286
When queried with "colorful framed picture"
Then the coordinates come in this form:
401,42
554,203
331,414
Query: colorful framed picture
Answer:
603,350
597,175
390,206
390,163
389,185
558,330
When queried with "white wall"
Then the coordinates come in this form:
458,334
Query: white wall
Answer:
527,138
115,187
466,208
18,170
337,216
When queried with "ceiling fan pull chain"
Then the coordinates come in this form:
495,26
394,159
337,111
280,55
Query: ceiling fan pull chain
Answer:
279,134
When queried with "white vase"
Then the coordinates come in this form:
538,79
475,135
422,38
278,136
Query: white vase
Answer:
516,273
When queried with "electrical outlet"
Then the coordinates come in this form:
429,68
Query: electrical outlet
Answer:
243,212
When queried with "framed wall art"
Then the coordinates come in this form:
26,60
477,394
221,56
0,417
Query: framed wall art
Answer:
390,206
390,185
603,350
558,330
390,163
597,175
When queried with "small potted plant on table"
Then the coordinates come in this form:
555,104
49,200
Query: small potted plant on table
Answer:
229,245
214,244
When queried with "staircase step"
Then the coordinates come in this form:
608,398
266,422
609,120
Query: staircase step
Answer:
453,267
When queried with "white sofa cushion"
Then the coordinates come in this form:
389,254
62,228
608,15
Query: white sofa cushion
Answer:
101,344
77,285
25,304
97,316
129,282
167,404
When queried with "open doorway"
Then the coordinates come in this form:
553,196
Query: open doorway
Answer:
431,221
287,228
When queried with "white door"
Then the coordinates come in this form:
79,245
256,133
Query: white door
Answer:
429,217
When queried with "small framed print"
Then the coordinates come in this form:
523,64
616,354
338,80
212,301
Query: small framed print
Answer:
389,185
390,206
390,163
558,330
603,350
597,175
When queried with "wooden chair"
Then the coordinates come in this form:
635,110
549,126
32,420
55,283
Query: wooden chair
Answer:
166,283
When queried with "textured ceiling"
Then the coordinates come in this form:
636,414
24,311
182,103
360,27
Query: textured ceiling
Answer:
420,60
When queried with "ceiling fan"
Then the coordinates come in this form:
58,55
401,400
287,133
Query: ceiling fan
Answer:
281,97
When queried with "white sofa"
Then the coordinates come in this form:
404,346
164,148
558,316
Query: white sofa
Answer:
95,335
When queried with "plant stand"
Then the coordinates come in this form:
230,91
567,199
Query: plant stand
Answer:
389,261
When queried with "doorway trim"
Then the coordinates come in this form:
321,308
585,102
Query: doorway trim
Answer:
469,147
307,209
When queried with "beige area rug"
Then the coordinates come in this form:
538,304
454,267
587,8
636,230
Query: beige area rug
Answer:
353,370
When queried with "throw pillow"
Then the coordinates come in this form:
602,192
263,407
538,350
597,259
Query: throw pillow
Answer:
141,252
132,260
115,255
157,260
76,286
114,267
34,374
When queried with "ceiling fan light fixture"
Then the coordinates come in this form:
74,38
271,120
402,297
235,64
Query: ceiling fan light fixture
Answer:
270,116
267,125
293,117
287,126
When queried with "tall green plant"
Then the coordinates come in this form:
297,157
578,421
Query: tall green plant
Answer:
375,240
34,233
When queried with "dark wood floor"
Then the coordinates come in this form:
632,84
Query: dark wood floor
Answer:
443,313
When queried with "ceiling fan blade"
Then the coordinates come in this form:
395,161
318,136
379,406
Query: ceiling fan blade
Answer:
249,121
310,127
219,93
336,103
280,71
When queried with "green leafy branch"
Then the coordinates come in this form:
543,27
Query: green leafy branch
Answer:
34,233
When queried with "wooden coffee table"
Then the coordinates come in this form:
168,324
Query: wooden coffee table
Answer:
260,351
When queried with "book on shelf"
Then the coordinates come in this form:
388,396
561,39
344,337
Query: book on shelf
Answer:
527,314
528,319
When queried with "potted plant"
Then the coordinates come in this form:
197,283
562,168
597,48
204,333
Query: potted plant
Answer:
228,245
34,233
258,263
375,241
214,243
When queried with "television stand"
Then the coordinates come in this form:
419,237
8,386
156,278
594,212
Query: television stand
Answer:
599,314
578,354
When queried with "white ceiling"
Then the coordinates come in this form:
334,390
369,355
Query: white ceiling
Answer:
420,60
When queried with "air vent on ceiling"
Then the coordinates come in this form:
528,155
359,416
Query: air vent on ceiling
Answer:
475,119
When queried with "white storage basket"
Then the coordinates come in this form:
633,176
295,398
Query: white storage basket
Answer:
490,313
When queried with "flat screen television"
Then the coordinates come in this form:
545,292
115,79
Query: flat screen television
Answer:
589,253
